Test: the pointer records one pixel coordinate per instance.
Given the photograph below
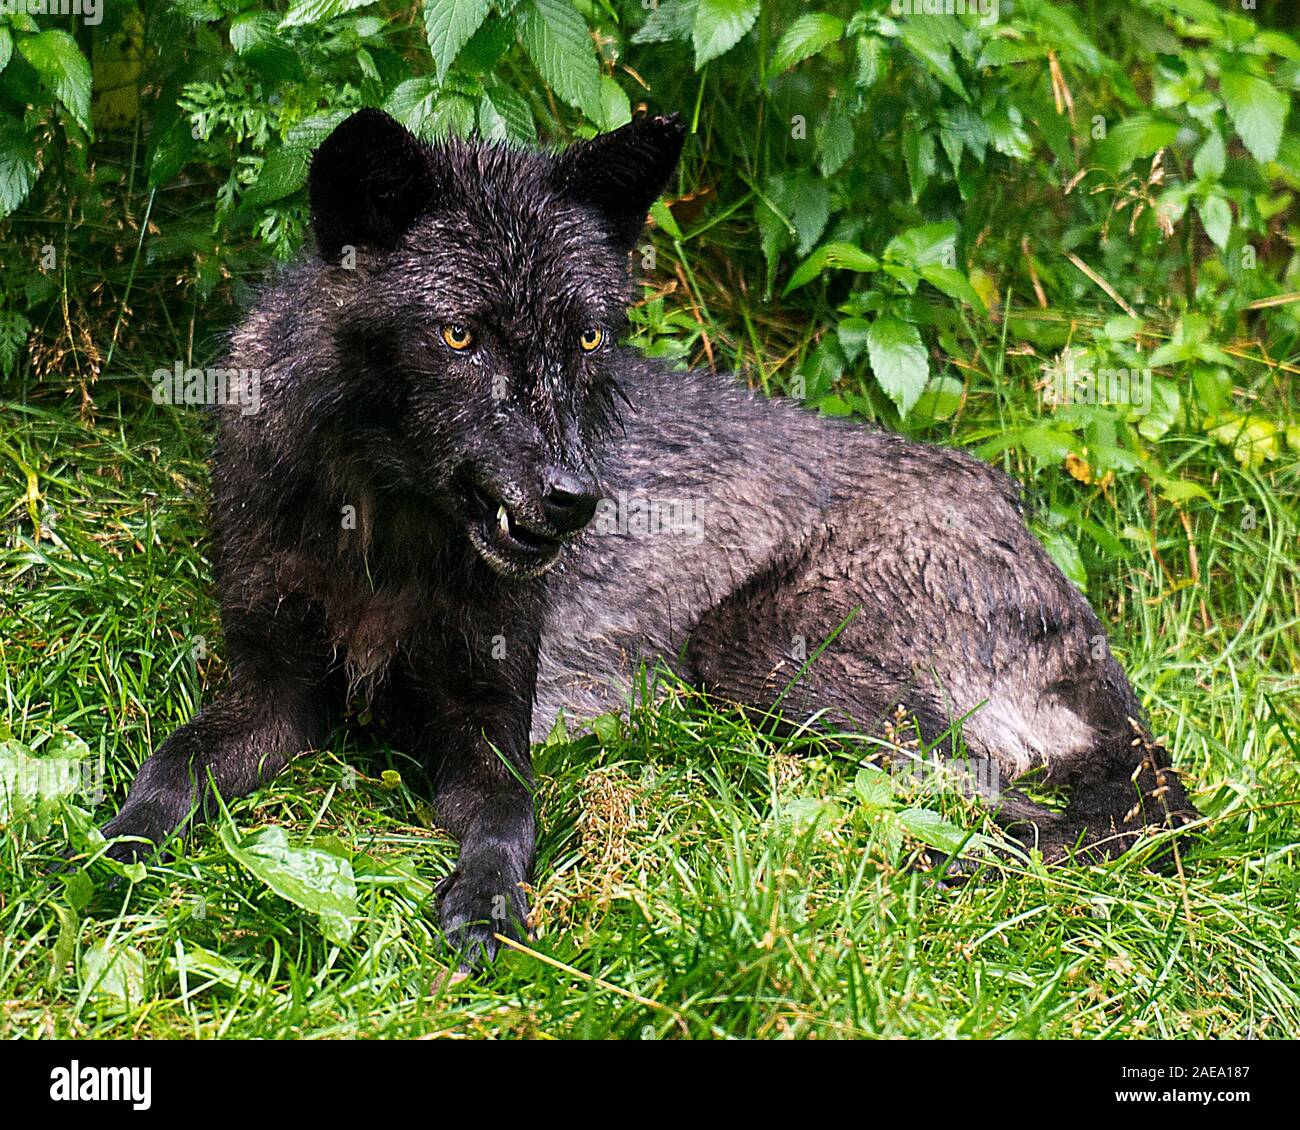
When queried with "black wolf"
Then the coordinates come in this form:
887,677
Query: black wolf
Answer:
408,521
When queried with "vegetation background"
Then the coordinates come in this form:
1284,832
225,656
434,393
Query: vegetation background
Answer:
917,218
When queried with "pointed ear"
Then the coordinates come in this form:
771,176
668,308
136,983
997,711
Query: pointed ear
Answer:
621,174
369,181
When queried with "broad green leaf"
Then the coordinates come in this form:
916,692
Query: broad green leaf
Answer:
318,881
953,283
1257,110
670,21
411,103
837,255
615,106
449,25
113,975
1139,136
63,70
1166,403
1065,552
809,34
925,40
928,243
18,171
35,785
836,142
1216,215
559,44
512,111
6,47
195,963
933,830
1211,158
852,333
303,12
720,25
874,788
898,360
940,400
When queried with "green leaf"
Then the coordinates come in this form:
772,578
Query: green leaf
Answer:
1166,402
932,829
926,41
836,254
556,39
318,881
616,107
810,33
898,360
1065,552
672,20
836,143
925,244
63,70
1216,215
6,47
1211,158
303,12
953,283
411,103
720,25
18,171
1257,111
852,333
34,786
449,25
113,975
511,109
1139,136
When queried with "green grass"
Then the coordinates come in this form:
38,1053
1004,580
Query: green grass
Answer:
696,877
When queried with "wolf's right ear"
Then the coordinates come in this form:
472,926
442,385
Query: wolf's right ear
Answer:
369,181
621,174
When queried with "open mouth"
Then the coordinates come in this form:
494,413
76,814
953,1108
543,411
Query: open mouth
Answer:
505,543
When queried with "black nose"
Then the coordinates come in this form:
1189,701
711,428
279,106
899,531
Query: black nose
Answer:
568,500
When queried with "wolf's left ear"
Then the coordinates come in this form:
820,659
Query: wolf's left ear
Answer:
621,174
369,181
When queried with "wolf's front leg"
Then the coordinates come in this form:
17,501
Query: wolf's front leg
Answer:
465,705
233,745
483,796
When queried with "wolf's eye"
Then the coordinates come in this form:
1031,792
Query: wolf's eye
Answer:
457,336
591,339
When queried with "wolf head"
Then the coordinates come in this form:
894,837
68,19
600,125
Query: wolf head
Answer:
484,295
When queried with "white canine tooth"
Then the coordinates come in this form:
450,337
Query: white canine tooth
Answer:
503,520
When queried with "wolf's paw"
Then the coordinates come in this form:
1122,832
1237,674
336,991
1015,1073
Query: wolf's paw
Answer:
143,826
475,903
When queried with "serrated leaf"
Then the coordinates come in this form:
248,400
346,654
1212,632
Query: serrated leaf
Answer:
18,170
1257,110
511,109
837,255
836,138
318,881
63,70
720,25
449,25
556,39
810,33
898,360
303,12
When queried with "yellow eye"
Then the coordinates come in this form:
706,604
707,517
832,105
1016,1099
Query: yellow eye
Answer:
591,339
457,336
